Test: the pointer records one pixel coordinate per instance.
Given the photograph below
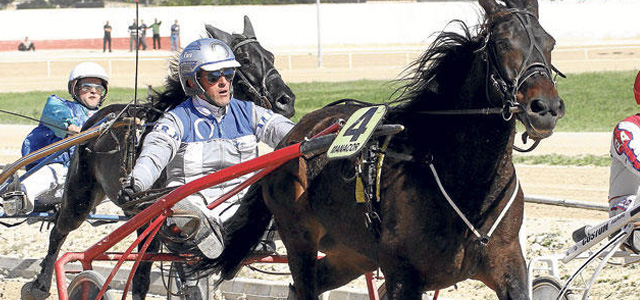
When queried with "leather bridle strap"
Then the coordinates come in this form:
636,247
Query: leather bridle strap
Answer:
484,239
253,91
511,89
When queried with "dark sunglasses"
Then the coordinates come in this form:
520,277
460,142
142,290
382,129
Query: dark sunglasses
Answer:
86,87
213,76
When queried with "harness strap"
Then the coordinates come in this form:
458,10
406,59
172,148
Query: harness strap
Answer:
484,239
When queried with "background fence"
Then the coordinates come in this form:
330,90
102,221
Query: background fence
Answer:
47,70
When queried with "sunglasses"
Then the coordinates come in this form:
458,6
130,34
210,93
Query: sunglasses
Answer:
213,76
87,87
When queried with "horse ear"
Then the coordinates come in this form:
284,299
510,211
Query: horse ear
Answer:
248,28
218,34
489,6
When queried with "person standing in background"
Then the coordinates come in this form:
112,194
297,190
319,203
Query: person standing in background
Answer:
133,35
143,34
175,36
107,37
155,27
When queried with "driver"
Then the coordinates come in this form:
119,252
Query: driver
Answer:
624,181
88,86
209,131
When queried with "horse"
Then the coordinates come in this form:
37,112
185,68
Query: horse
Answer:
450,205
98,165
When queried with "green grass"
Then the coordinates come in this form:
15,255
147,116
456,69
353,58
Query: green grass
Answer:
31,103
311,96
594,102
563,160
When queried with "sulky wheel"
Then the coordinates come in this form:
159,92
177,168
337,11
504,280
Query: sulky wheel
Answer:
546,287
87,285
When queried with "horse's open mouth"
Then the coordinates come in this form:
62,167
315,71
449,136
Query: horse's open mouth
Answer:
538,128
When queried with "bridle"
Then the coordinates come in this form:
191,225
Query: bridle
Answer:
260,94
495,77
507,88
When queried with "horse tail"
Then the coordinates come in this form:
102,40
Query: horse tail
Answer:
243,232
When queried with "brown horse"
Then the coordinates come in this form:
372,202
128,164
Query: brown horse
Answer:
98,165
455,155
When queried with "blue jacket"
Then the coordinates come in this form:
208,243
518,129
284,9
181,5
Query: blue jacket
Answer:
62,113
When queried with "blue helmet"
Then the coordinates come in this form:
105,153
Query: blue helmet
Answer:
207,54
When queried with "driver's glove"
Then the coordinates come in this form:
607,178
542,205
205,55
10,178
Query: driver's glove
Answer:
127,192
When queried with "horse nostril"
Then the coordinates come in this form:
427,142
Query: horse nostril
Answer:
538,106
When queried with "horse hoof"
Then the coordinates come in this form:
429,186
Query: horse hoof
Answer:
29,292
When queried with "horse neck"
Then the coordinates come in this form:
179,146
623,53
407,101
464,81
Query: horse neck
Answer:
470,151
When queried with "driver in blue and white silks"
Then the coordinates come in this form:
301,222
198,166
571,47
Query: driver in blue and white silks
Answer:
624,181
88,86
209,131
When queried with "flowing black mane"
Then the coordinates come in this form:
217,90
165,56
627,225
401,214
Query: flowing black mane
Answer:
443,68
173,93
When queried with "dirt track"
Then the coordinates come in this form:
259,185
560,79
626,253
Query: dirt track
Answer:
542,221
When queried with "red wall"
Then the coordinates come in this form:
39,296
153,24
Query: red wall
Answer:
116,43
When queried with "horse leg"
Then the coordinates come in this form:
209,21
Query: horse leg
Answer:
504,269
302,256
403,282
298,230
339,267
65,223
77,202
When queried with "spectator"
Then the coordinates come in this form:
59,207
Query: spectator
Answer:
156,32
143,34
133,35
107,37
26,45
175,36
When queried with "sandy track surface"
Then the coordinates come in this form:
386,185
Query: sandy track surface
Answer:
548,227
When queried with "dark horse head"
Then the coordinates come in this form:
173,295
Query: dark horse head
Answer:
519,61
256,80
257,73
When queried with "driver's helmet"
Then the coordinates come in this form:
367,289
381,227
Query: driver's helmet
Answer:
87,70
636,88
207,54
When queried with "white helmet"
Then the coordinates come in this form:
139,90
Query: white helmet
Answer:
87,70
207,54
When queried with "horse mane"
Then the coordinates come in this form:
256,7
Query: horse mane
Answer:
173,93
441,70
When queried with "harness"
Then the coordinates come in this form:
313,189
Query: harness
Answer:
368,166
368,170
